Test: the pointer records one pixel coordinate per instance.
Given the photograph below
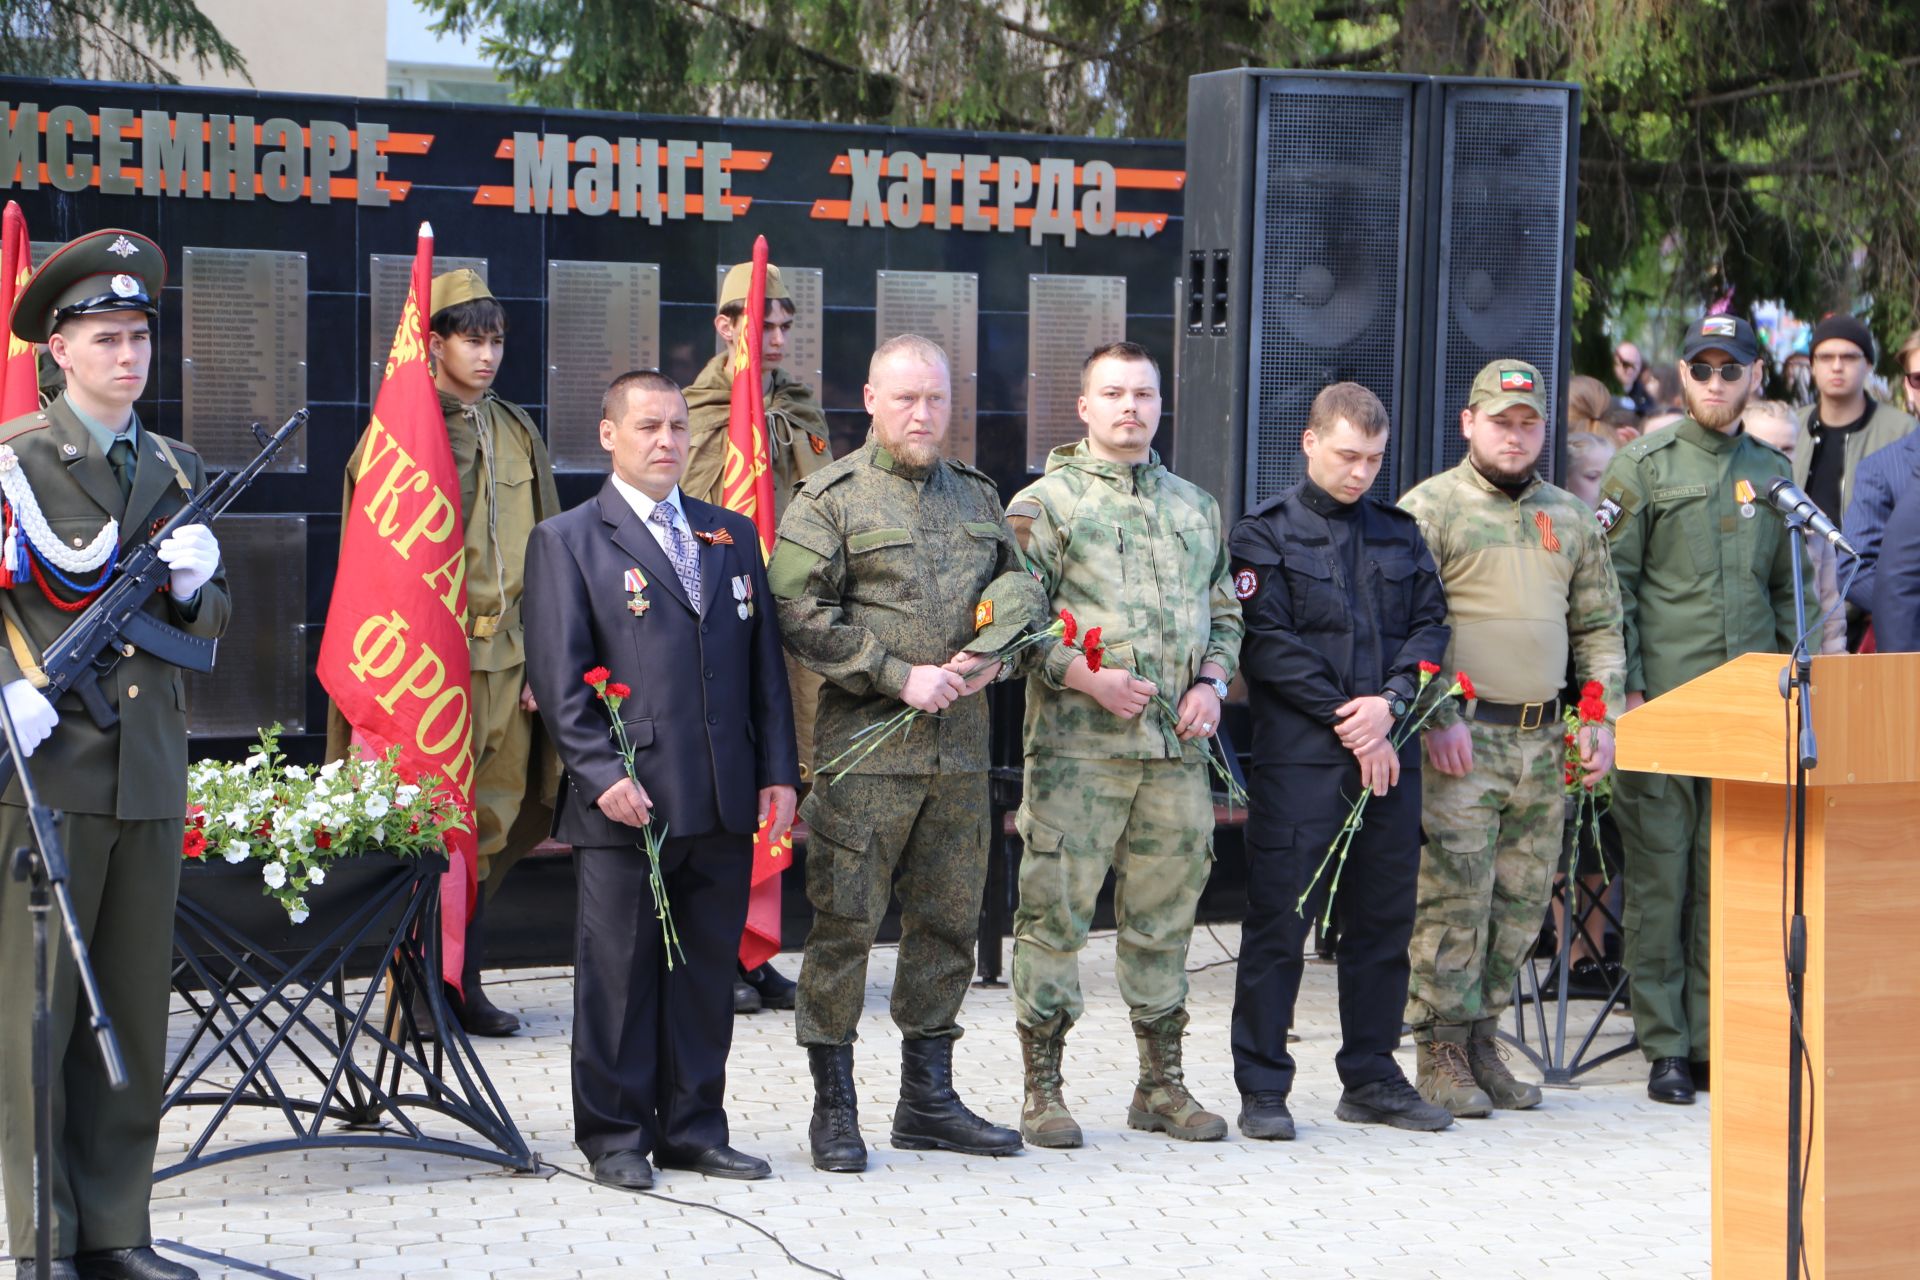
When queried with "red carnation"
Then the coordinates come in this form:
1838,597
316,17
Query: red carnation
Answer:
1090,648
195,843
1466,685
1072,628
1429,668
1592,689
1593,709
598,676
617,690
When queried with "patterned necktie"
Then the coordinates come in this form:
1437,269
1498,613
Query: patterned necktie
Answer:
121,456
686,561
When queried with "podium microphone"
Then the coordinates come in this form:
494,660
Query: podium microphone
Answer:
1791,502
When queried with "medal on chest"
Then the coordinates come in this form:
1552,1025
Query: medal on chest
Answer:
1743,494
635,585
743,595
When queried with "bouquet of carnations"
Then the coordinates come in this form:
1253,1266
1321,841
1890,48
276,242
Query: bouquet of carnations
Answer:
1427,698
296,821
611,694
1590,800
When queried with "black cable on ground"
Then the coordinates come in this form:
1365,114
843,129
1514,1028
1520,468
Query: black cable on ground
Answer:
795,1259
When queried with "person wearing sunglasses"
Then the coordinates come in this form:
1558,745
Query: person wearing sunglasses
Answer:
1705,576
1844,424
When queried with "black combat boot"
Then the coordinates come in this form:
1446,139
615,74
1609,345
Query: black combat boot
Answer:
775,989
931,1114
835,1129
479,1015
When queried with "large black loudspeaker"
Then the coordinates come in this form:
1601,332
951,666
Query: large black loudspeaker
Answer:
1396,231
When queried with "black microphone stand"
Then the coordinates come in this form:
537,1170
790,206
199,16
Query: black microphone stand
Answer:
43,863
1798,676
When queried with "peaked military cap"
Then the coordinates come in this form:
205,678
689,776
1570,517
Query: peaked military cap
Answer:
1506,383
740,279
1003,614
451,288
105,271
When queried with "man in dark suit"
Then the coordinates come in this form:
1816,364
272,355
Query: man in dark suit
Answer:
670,595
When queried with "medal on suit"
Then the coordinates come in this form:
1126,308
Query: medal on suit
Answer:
743,592
635,586
1743,494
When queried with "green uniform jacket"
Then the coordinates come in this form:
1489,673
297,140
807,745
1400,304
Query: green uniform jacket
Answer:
1885,426
523,470
796,432
1527,578
1701,582
138,769
1137,552
877,570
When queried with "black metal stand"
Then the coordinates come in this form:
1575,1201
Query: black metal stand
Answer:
43,866
1798,677
1531,997
275,1022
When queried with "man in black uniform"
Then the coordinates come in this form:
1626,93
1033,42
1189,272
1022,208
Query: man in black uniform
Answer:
1343,602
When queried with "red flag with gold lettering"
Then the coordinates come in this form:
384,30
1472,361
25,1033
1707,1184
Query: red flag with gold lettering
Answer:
394,654
20,370
746,486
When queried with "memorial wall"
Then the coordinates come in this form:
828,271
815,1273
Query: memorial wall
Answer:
289,225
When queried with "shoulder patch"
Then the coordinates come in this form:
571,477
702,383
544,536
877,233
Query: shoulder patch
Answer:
1607,513
1023,508
1246,584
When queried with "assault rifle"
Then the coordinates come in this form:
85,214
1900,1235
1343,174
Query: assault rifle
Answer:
116,623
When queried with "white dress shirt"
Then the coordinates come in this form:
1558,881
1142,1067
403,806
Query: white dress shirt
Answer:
643,507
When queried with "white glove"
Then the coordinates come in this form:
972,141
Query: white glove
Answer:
193,555
33,716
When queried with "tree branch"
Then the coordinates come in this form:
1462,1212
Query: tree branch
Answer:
1790,86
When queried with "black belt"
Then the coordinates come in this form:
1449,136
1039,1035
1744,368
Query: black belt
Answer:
1517,715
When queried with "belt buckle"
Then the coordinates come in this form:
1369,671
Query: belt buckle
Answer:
1538,711
485,626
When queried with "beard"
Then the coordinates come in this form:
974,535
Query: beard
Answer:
1717,417
1492,470
916,455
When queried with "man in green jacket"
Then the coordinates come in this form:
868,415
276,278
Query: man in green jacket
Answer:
1705,576
1843,424
84,480
1112,781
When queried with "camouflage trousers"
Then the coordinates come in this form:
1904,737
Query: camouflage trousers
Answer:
931,831
1151,821
1486,871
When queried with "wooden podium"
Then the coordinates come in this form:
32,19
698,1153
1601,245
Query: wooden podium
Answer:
1862,1004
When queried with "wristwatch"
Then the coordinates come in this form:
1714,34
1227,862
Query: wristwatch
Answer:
1396,705
1216,684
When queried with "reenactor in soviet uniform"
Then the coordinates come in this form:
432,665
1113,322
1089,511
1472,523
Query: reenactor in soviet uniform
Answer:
1342,604
879,571
1128,547
506,487
797,436
1527,577
79,465
1705,576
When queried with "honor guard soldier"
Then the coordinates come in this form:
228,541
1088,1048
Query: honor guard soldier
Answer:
1528,578
1342,604
506,487
880,569
1705,576
84,479
1128,547
797,437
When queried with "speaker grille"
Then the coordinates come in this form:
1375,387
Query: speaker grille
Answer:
1329,237
1502,272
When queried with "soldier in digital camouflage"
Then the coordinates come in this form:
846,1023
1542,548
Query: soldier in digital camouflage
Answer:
1528,578
1112,781
879,570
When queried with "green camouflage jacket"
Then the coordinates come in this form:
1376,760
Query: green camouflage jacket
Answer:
1527,579
1137,552
878,569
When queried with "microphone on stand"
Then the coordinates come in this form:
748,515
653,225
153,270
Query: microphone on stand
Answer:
1793,503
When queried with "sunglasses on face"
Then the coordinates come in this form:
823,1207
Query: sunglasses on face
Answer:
1701,371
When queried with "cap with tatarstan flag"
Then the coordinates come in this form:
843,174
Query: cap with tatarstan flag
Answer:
1505,383
1725,333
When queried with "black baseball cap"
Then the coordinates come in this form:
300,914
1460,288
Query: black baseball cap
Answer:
1725,333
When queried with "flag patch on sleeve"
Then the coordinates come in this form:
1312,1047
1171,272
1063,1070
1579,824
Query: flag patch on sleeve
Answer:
1245,584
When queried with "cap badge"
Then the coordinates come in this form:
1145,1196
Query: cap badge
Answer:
124,247
1516,380
1718,327
125,287
983,615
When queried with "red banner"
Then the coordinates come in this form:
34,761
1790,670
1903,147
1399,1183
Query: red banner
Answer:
746,486
20,369
394,654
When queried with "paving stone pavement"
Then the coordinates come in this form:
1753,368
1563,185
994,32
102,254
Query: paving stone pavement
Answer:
1599,1182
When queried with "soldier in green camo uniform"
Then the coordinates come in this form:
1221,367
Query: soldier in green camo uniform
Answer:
1705,576
880,571
1128,547
1528,577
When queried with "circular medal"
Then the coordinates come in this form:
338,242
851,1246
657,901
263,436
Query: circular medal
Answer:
1746,509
